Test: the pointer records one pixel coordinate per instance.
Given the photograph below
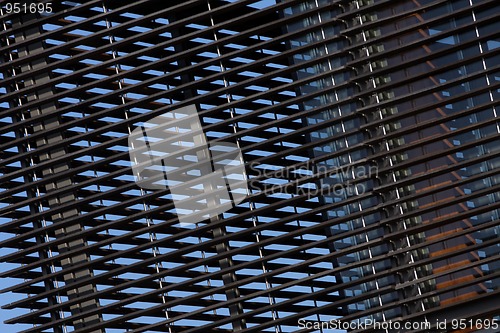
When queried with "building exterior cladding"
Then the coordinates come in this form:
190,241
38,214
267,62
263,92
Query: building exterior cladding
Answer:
371,140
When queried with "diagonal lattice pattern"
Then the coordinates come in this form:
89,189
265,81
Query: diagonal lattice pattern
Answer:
370,135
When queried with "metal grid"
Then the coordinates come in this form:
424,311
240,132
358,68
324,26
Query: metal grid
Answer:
307,90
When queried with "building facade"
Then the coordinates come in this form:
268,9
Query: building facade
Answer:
368,130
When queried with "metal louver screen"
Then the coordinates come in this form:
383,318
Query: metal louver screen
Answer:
369,135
